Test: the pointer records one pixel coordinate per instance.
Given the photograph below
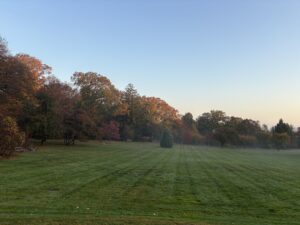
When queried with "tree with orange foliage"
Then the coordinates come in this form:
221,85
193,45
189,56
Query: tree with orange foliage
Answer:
38,70
15,86
11,137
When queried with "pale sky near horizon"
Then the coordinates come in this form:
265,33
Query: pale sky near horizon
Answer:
242,57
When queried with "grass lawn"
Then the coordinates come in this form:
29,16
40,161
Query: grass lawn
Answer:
140,183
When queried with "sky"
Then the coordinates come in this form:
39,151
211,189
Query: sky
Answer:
242,57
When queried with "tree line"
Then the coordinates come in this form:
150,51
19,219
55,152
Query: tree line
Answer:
34,104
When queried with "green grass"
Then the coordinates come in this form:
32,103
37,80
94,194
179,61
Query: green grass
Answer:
139,183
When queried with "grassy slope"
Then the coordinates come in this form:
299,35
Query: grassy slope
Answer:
138,183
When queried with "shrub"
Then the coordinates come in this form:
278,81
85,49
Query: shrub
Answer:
281,140
264,139
11,137
187,137
226,136
248,140
198,139
191,137
110,131
166,140
126,133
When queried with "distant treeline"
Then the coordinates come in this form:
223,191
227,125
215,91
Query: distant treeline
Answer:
34,104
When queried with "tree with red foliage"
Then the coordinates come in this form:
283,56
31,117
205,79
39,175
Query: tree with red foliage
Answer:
110,131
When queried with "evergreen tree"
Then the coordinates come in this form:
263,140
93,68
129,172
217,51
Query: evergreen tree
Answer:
166,140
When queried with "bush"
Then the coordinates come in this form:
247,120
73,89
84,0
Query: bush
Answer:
248,140
264,139
191,137
126,133
226,136
281,140
166,140
11,137
110,131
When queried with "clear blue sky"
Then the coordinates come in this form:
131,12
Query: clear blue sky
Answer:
242,57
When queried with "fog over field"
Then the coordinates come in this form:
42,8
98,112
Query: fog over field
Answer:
149,112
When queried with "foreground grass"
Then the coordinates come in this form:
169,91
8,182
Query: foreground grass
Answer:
138,183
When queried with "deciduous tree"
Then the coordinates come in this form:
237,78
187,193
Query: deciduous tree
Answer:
11,137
